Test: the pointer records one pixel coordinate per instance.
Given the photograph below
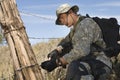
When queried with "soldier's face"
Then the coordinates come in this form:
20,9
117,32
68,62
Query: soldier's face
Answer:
65,19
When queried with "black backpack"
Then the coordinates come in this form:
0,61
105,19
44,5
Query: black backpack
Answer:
110,32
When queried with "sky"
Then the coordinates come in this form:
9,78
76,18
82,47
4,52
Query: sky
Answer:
39,15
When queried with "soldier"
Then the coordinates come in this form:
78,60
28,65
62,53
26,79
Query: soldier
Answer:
83,64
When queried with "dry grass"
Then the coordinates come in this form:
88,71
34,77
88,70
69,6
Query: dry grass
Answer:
41,50
6,68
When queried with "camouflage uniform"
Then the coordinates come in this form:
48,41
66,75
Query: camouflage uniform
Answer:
83,34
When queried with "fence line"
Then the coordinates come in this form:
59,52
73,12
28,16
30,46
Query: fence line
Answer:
37,15
39,38
42,38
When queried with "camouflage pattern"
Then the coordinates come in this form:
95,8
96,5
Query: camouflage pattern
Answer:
82,35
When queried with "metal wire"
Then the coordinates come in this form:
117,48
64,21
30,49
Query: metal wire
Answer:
36,15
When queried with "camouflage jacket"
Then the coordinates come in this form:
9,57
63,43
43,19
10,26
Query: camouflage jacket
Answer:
82,35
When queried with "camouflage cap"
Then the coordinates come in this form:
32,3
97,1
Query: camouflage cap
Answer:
64,8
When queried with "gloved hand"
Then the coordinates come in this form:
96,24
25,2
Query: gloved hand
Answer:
49,65
53,55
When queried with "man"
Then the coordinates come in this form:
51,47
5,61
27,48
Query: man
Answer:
83,63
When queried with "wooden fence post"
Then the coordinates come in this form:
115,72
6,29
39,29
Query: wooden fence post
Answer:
25,63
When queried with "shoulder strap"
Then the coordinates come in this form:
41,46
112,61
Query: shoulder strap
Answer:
80,19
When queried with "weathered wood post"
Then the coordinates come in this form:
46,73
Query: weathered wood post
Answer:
25,63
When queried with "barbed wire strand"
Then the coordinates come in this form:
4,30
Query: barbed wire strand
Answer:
37,15
42,38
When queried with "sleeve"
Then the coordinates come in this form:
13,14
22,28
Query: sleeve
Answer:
83,37
65,40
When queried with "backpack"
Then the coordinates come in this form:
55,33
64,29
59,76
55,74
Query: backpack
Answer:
110,33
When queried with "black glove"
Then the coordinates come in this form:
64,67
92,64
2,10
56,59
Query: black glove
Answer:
53,55
49,65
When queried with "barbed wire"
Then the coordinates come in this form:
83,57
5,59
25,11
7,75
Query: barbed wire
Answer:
4,41
42,38
37,15
39,38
